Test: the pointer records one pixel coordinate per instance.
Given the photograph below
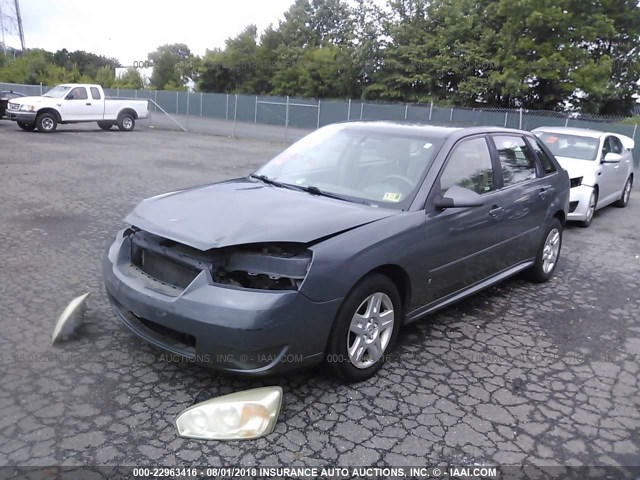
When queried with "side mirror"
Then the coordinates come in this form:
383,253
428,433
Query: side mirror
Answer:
459,197
612,158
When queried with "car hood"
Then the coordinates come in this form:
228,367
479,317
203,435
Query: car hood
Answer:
28,100
578,168
243,211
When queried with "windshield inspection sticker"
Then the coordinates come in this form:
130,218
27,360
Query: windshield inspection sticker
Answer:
392,197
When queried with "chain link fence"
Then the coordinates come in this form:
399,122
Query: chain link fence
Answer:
309,114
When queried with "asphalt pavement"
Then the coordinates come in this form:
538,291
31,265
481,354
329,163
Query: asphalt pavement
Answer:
520,373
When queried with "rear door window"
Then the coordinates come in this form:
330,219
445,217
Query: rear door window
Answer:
516,159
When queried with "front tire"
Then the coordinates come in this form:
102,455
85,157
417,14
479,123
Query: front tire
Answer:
548,253
105,125
27,127
365,329
626,194
591,211
126,122
46,123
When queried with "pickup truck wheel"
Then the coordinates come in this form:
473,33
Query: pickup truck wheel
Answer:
126,122
105,125
46,123
27,127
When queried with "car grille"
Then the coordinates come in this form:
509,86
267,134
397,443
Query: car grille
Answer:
14,106
164,269
150,255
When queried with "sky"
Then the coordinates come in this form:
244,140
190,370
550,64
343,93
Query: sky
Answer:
129,29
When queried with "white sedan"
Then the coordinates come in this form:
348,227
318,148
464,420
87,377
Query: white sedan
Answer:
600,166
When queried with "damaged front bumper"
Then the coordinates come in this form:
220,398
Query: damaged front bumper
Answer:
231,328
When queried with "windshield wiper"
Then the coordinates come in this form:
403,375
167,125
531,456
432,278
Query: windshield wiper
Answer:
313,190
268,180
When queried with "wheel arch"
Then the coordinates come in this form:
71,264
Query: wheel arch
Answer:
53,111
130,111
562,216
400,279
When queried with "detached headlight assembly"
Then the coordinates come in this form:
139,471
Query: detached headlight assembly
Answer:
238,416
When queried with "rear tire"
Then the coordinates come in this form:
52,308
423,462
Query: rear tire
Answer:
626,194
46,123
105,125
593,203
27,127
126,122
365,329
548,254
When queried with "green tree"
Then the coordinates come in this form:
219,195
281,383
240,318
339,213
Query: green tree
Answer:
540,54
618,52
87,63
172,64
105,76
240,57
312,23
318,72
403,73
130,80
214,74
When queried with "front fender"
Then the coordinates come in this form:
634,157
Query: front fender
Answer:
341,261
53,110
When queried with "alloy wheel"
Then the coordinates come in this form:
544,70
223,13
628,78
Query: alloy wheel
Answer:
592,206
627,191
370,330
551,250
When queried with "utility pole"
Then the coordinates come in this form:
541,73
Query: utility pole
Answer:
4,42
20,29
10,17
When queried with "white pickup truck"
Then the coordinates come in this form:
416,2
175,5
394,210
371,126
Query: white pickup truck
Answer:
76,103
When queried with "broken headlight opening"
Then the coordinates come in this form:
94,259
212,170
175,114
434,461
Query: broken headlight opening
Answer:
269,266
576,182
264,267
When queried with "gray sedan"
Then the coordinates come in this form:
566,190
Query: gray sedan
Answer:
327,250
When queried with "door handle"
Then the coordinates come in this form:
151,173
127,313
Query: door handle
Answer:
543,192
496,211
88,104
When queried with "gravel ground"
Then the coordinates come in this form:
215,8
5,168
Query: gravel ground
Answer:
521,373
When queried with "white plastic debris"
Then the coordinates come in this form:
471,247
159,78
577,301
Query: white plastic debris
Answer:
70,318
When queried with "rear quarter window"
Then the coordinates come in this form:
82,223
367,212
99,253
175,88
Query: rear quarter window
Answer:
545,161
95,93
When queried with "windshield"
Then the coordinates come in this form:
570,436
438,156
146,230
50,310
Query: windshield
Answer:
357,163
571,146
57,92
